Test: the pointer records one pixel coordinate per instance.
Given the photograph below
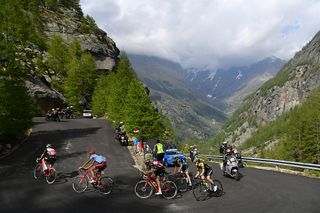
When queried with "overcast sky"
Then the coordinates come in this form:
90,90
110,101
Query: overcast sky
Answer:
208,33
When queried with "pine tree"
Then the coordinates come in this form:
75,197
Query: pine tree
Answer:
140,113
58,55
81,77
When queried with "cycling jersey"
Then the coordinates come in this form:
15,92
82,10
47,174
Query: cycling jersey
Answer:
51,152
182,163
98,158
158,168
204,166
50,155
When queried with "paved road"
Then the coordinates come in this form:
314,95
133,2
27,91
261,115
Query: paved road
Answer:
257,191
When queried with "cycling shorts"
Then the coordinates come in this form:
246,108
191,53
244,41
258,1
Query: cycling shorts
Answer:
101,166
208,172
160,172
185,168
51,160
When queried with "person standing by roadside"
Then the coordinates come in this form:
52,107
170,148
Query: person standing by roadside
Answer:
135,141
158,149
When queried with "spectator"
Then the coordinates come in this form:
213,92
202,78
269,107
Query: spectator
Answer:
158,150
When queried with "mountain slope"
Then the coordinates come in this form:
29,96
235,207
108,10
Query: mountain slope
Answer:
176,98
225,85
272,113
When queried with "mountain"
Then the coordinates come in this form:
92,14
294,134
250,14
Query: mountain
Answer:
67,22
229,86
192,117
282,118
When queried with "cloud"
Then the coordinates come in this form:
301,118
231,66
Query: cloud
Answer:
208,33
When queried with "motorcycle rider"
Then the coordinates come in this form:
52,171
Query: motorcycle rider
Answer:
224,147
226,157
121,126
182,166
95,162
48,157
205,171
156,170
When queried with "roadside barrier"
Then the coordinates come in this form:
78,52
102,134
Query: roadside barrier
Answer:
272,162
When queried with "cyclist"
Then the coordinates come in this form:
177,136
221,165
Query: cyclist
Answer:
95,162
155,170
182,166
48,157
205,171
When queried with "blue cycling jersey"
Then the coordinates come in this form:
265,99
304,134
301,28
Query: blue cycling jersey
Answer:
98,158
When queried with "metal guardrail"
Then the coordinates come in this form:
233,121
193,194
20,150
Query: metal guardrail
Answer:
272,162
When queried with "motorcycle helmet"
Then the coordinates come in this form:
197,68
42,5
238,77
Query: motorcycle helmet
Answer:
92,151
49,145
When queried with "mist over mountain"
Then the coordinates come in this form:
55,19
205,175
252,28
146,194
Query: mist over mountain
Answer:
228,87
191,115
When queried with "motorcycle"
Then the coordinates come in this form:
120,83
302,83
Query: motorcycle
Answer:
237,154
51,116
231,168
123,139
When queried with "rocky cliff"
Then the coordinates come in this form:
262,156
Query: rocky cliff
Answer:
288,89
69,25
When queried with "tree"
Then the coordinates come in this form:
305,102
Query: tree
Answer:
16,106
99,97
81,78
140,114
58,55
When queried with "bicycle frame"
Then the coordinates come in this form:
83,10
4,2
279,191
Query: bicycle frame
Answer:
49,168
85,175
153,183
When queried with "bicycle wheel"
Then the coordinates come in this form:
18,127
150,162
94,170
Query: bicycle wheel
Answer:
143,189
219,191
182,183
80,184
200,191
105,185
169,190
52,176
37,171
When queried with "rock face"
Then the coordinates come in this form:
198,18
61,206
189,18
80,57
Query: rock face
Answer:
70,25
290,88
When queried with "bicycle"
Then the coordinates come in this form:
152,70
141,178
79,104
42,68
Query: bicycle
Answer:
103,184
202,189
144,188
181,180
50,173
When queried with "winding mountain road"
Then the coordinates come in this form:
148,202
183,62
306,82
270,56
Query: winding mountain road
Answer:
257,191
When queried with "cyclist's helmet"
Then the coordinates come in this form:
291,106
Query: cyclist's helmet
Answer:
121,122
49,145
92,151
198,160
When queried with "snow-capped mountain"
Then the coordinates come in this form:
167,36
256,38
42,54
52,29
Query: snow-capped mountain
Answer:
222,84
